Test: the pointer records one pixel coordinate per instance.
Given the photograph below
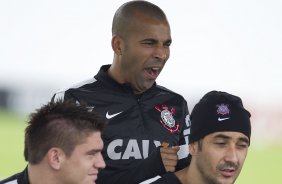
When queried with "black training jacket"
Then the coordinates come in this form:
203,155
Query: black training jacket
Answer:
137,125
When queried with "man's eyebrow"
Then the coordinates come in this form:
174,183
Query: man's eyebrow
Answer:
155,40
222,136
93,151
149,40
244,139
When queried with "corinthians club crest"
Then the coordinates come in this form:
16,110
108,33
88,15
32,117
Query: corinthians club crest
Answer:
222,109
167,119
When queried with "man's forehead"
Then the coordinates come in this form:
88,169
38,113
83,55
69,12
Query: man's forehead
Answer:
157,32
227,135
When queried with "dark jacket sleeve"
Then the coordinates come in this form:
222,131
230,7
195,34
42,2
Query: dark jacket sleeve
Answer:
183,139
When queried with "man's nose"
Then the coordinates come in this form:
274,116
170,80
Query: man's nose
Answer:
161,53
231,154
100,163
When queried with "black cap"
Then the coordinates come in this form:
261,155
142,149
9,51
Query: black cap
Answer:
217,112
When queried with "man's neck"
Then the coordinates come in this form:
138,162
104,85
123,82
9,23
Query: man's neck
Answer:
189,175
37,174
115,73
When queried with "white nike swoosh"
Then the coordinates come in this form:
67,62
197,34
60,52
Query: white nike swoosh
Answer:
222,119
90,108
110,116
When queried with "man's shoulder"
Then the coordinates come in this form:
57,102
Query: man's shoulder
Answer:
167,178
84,85
11,180
166,90
19,178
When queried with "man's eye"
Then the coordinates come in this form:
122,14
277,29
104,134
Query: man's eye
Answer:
93,153
148,43
167,44
220,143
243,145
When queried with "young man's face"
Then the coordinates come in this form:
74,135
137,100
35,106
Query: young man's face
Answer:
85,161
220,156
145,52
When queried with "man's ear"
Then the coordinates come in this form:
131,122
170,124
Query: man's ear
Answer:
55,157
117,44
193,148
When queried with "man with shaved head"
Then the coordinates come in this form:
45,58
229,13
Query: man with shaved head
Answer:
147,130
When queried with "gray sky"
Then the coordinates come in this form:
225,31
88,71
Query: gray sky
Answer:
233,46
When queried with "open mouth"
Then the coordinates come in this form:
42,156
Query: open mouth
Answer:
153,72
228,172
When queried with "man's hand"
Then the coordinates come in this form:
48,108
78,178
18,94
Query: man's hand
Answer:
169,157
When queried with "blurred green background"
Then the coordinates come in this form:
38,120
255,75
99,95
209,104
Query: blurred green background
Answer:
262,166
12,143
